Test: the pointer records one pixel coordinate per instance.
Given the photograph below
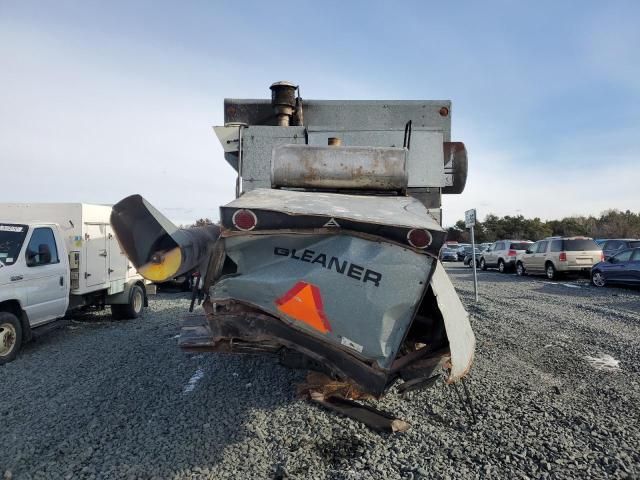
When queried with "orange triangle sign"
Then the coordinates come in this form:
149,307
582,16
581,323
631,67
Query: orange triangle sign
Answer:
304,303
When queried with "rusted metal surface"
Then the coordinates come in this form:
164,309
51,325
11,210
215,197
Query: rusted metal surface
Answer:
283,100
339,168
378,420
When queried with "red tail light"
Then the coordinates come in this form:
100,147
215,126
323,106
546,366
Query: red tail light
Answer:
419,238
244,220
512,253
563,256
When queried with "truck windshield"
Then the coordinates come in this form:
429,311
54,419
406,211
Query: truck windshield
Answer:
11,238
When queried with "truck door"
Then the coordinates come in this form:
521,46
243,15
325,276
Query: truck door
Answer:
46,277
117,261
538,259
96,254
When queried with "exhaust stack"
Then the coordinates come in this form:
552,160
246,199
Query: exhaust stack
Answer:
155,246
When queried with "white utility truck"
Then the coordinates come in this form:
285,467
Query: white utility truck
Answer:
57,257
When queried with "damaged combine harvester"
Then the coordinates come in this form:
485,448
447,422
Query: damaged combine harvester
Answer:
328,257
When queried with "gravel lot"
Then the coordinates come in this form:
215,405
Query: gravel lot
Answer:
106,399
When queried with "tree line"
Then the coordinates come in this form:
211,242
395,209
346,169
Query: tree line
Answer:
610,224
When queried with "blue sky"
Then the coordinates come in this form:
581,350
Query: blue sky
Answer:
103,99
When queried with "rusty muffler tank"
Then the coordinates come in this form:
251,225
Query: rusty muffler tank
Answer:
339,168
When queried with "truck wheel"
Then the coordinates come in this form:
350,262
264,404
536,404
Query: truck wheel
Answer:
520,269
10,337
483,264
502,268
130,310
550,270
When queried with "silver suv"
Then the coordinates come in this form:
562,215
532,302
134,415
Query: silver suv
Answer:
502,254
555,255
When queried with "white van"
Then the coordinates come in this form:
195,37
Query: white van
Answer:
59,257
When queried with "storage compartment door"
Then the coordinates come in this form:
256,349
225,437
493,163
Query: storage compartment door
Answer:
96,254
117,260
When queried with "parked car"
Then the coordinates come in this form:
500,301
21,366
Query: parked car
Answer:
448,255
621,268
612,246
461,251
502,254
468,258
555,255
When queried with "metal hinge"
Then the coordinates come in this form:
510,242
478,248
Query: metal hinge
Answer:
111,270
103,254
87,274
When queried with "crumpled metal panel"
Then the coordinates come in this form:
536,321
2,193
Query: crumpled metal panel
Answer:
462,341
383,210
369,290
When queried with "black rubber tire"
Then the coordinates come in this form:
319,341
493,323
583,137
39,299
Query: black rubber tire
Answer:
459,167
550,271
520,270
483,264
130,310
599,280
9,319
502,267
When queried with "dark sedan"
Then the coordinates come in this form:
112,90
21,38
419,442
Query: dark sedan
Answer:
623,269
611,246
468,257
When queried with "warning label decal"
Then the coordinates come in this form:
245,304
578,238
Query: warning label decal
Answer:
304,303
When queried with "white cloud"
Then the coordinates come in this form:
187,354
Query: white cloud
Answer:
82,128
499,184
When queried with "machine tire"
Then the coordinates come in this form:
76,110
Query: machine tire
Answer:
597,279
550,271
520,271
10,337
130,310
502,268
483,264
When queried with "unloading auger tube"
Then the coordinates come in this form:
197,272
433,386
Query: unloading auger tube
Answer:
155,246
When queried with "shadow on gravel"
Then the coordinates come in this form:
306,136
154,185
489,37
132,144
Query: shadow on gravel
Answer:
118,399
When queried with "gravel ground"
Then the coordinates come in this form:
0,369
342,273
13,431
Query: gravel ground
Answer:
106,399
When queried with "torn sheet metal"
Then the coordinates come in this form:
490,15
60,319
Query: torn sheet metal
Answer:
462,341
357,295
372,417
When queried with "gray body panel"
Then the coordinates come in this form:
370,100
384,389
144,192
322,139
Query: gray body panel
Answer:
382,210
349,114
366,311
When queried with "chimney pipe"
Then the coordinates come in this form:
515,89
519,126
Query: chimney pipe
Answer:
283,100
